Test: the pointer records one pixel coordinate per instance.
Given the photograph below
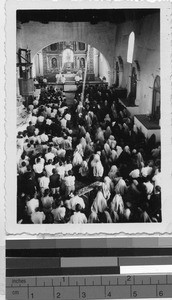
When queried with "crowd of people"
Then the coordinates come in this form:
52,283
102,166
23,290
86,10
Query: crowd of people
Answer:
94,143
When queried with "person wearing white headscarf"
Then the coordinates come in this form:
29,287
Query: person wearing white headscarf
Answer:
140,160
127,214
149,187
73,201
113,173
83,170
106,186
117,204
107,149
100,134
97,166
121,186
99,203
114,216
107,133
156,152
88,120
88,138
80,107
118,150
83,143
77,159
112,142
93,217
135,173
146,171
157,178
127,149
79,149
113,156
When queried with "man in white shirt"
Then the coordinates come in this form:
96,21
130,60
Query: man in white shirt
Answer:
50,155
31,205
37,217
78,217
69,182
33,119
58,212
44,182
74,201
49,168
40,120
44,138
39,166
61,170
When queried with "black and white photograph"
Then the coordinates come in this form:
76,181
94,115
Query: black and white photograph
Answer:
88,117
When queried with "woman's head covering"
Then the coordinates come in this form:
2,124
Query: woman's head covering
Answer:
127,149
96,157
135,173
107,118
107,149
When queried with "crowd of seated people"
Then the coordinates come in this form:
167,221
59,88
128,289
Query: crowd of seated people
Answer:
92,141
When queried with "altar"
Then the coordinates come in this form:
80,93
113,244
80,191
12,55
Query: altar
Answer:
148,126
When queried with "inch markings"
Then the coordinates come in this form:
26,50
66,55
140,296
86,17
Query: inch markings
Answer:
89,287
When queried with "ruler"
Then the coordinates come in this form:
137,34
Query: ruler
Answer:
89,287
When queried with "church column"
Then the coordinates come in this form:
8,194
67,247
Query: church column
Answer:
96,62
90,69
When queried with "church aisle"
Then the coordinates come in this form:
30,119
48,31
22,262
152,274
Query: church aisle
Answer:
69,98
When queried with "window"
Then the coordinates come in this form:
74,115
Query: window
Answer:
53,47
156,97
130,51
117,74
81,46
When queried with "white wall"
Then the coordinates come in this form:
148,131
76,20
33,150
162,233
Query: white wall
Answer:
103,68
146,52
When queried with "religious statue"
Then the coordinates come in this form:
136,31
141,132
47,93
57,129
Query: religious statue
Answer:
54,62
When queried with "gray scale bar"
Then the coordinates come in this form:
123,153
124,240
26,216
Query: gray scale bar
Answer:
91,243
70,262
141,260
32,262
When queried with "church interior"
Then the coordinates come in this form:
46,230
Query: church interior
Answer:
88,116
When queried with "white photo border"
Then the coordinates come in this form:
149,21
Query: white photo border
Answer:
12,228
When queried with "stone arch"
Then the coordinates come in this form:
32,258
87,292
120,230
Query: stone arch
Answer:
47,34
109,79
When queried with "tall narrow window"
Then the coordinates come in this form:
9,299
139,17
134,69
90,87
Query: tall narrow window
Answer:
156,99
130,51
117,74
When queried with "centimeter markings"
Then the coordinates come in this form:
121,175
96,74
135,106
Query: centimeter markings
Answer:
89,287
